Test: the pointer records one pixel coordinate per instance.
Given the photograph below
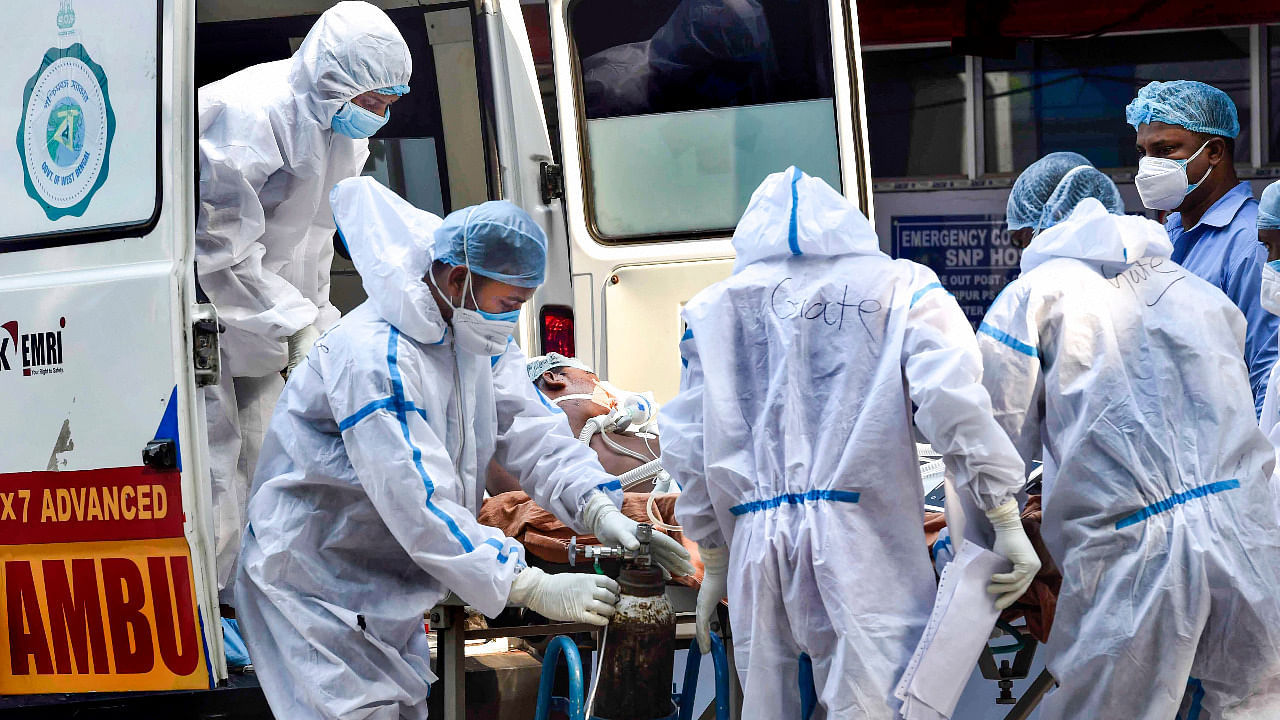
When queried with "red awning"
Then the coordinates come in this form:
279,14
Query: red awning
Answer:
887,22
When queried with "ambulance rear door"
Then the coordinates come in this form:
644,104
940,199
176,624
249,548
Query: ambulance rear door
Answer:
104,506
525,171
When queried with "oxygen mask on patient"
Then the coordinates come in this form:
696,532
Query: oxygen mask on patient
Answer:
626,410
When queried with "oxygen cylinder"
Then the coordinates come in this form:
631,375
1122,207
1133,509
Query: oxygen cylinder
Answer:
639,650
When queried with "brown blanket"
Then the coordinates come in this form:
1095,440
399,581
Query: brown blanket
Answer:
545,537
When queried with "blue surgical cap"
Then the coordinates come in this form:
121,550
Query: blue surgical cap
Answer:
497,240
1186,103
1080,183
1269,208
1034,186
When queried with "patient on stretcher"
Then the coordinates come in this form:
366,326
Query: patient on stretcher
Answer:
572,386
578,391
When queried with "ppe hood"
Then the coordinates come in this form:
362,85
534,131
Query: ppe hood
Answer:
792,213
390,244
353,48
1099,238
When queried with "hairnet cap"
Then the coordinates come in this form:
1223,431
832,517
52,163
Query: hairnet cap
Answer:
1186,103
1269,208
1034,186
1080,183
551,361
497,240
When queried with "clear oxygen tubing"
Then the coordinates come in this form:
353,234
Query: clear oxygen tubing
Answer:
661,485
631,478
602,423
638,475
613,445
595,672
592,426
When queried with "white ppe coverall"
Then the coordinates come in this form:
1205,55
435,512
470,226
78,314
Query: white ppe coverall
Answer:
1269,419
792,439
1124,372
264,233
1269,298
363,511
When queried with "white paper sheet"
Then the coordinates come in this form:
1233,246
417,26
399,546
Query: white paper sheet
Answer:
960,624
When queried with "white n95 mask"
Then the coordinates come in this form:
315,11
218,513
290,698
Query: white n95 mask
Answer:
476,331
481,333
1162,182
1270,295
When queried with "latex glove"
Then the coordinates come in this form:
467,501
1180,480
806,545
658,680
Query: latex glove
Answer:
715,585
1012,543
299,345
611,527
566,597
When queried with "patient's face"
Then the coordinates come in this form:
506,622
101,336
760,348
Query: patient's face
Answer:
575,381
561,381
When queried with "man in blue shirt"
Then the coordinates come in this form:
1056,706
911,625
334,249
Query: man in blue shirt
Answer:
1186,134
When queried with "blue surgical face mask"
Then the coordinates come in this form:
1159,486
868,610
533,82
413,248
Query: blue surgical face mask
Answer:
482,330
355,122
476,331
509,316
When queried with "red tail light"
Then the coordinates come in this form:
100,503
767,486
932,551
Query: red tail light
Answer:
557,330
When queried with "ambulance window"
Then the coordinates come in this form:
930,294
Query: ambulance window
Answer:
85,108
688,104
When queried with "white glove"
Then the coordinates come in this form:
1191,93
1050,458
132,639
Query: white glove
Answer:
1012,543
715,585
611,527
299,345
566,597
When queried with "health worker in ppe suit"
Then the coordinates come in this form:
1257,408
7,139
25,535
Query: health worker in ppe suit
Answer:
1042,183
363,511
792,438
1124,373
1186,134
274,138
1269,236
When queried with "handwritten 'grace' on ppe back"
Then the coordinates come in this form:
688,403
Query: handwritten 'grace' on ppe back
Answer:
818,308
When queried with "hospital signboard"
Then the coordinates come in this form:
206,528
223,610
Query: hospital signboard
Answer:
970,253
